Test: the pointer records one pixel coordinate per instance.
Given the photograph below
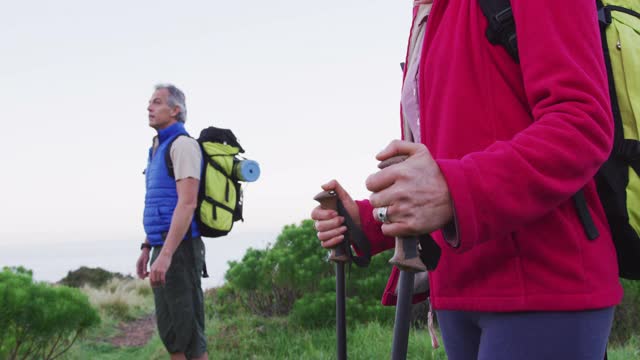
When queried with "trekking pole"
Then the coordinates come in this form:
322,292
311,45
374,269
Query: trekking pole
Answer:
407,259
329,200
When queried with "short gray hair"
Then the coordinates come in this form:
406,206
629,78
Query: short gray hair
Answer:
176,98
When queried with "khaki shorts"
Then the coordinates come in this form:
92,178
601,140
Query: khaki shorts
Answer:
179,303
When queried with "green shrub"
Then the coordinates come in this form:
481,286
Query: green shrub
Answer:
295,277
626,321
95,277
319,310
221,302
19,270
40,321
315,310
145,291
268,282
118,309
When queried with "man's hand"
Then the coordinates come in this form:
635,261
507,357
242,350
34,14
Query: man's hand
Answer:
180,222
159,269
141,264
414,191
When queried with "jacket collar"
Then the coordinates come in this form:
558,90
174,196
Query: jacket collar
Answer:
166,133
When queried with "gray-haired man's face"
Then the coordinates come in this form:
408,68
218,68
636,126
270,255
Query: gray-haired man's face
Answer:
161,115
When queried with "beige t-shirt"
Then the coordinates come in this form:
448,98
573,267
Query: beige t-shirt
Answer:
185,156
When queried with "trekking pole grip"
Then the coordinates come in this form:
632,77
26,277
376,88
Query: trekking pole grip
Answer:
406,256
329,200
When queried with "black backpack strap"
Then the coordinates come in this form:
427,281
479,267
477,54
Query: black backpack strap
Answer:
590,228
192,252
501,29
217,166
604,18
167,156
604,12
629,151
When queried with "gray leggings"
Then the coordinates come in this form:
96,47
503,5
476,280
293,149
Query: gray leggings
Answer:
579,335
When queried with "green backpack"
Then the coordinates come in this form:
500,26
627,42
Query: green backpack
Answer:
618,179
220,197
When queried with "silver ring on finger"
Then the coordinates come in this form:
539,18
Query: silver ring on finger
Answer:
381,215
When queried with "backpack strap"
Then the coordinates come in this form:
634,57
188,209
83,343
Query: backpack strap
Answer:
604,12
167,157
604,19
589,226
628,150
501,29
169,162
217,166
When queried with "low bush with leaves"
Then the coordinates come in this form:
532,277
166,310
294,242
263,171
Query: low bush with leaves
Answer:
294,277
626,322
40,321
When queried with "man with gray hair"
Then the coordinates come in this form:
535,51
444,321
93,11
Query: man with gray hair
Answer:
173,241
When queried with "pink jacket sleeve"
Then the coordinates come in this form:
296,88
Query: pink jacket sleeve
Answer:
513,182
371,228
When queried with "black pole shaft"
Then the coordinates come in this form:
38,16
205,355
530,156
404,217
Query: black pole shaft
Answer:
403,316
341,323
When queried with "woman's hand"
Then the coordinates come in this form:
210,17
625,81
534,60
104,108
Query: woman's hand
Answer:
414,191
327,222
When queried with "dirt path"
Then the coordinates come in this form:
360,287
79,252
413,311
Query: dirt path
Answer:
135,333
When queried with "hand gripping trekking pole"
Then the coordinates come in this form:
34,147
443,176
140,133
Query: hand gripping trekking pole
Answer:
407,259
406,256
329,200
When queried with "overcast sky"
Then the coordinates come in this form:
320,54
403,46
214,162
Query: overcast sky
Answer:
311,90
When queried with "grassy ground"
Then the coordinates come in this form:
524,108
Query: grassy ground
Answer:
251,337
259,338
276,339
631,350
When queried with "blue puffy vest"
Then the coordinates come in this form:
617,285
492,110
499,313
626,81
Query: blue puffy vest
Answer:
161,197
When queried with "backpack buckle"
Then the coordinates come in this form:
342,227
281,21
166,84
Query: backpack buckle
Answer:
504,17
502,31
604,16
499,24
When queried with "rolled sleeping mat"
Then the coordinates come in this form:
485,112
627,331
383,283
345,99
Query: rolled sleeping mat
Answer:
246,170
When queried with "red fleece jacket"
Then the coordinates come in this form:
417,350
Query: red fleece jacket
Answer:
515,142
